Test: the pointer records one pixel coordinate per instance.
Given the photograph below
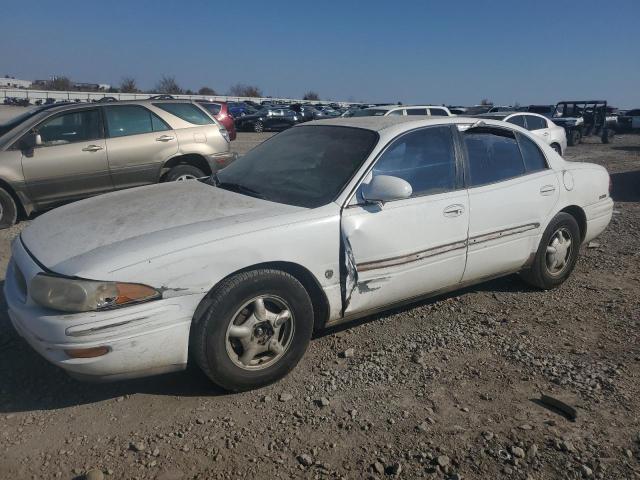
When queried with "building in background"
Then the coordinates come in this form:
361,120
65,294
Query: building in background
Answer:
11,82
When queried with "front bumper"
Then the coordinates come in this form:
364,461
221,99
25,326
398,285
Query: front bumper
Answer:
142,339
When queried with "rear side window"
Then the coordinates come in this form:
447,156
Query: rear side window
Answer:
397,113
438,112
517,120
187,112
416,111
535,123
493,155
534,160
78,126
424,158
125,120
212,108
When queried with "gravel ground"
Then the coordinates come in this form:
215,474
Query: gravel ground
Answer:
446,388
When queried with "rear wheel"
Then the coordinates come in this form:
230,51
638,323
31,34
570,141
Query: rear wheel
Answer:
255,330
258,127
8,209
574,138
180,173
557,253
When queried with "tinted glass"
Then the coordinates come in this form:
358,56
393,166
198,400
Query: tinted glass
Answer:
535,123
187,112
397,113
424,158
438,112
212,108
534,160
71,127
305,166
126,120
493,155
517,120
369,112
416,111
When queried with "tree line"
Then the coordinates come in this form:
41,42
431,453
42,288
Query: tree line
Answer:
170,86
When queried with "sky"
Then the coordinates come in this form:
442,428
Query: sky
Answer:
454,52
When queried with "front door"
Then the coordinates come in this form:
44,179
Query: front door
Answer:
511,194
138,144
71,162
409,247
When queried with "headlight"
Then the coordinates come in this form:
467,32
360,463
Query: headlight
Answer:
79,295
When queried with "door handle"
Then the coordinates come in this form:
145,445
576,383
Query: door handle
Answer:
92,148
547,189
164,138
453,210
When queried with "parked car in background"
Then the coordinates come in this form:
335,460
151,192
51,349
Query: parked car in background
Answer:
306,112
68,152
268,119
238,271
220,111
432,110
327,111
549,132
501,108
629,121
457,110
238,109
163,96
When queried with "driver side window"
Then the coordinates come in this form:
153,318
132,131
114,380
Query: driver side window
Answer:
424,158
78,126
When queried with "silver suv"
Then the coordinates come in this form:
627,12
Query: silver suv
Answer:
78,150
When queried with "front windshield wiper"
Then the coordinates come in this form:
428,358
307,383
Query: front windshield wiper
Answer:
235,187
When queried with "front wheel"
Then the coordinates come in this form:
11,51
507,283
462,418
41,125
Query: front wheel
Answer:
557,253
258,127
557,148
574,138
255,330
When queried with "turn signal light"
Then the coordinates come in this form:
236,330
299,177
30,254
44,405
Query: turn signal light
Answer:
87,352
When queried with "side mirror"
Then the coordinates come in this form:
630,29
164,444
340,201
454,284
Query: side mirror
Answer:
384,188
30,141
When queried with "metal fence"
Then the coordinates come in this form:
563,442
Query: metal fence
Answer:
43,95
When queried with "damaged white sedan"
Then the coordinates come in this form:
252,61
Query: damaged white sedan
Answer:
326,222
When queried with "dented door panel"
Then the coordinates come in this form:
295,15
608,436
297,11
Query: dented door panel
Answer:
402,249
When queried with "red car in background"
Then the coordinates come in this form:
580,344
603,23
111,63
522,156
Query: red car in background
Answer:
220,112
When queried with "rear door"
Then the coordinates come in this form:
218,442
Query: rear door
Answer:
71,163
138,144
511,193
409,247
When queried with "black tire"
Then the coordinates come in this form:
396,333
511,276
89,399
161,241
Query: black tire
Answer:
539,275
181,172
258,127
574,138
9,213
608,137
208,342
557,148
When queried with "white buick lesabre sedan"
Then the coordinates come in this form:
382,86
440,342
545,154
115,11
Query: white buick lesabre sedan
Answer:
323,223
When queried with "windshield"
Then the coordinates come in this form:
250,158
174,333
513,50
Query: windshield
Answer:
303,166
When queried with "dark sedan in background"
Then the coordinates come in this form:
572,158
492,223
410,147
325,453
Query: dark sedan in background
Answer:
271,118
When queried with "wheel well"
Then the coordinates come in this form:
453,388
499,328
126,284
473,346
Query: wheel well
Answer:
193,159
22,213
577,213
304,276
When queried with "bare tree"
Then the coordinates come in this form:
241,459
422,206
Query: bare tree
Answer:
59,83
128,85
311,95
168,85
207,91
242,90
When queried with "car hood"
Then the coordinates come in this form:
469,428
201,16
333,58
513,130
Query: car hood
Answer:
125,227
